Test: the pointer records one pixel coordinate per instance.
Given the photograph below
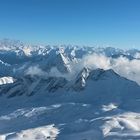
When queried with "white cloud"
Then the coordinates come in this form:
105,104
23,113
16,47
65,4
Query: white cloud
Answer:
127,68
96,61
123,66
137,55
35,70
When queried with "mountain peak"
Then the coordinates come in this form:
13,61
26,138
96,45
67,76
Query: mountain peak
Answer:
62,63
80,81
87,74
99,74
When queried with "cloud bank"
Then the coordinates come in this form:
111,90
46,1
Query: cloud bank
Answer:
123,66
54,72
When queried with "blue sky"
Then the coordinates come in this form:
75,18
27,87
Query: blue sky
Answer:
82,22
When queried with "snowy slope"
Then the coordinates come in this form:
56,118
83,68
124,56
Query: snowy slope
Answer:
106,107
6,80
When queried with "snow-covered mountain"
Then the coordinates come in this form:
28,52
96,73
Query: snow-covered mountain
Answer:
53,92
94,105
16,57
13,51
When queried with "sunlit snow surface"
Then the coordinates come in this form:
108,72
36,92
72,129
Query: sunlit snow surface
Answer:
87,113
69,121
92,112
40,133
6,80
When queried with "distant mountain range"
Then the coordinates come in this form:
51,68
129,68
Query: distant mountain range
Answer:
16,55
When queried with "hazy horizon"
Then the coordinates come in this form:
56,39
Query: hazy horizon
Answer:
77,22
